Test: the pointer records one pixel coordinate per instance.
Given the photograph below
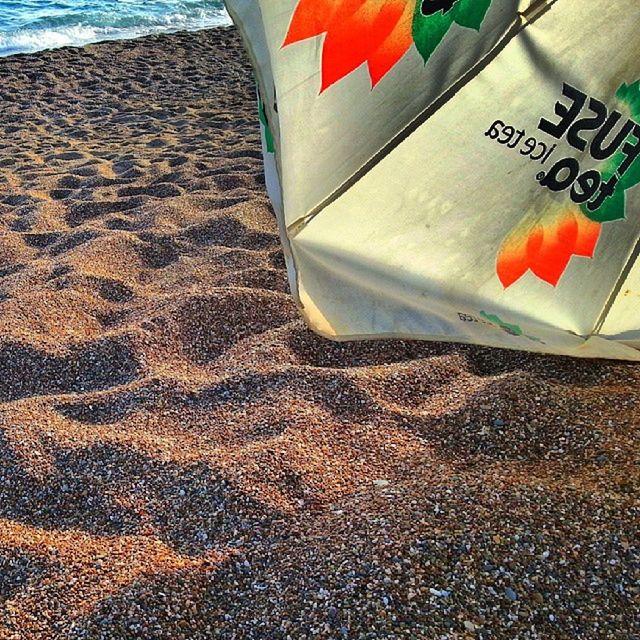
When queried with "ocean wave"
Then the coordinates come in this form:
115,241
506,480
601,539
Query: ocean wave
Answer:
94,22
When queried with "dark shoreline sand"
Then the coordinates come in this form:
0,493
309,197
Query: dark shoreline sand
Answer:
181,458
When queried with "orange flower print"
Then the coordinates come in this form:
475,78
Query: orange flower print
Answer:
375,32
378,32
546,246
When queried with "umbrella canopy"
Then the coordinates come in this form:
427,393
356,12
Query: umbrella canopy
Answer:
459,170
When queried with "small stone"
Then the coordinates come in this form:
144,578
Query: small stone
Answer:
511,594
469,626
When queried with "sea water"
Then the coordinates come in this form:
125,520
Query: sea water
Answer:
33,25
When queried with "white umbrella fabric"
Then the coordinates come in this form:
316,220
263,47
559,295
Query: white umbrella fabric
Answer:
461,170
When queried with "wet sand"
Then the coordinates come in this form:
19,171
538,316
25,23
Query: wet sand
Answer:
181,458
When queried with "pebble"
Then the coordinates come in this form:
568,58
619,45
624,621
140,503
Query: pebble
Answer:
511,594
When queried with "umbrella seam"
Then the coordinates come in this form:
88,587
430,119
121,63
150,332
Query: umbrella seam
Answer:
633,258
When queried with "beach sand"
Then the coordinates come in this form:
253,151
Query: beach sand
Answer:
181,458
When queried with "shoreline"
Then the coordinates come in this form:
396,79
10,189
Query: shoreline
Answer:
124,38
181,458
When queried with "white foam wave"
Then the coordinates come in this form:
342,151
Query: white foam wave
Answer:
23,41
28,41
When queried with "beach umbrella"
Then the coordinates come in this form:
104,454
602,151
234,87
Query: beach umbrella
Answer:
462,170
